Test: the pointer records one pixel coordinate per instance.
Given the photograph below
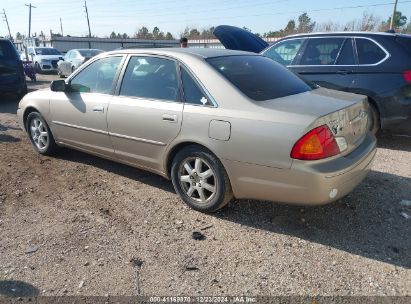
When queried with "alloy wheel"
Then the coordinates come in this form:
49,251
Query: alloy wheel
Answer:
39,134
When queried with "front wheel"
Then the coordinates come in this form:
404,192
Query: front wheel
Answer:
40,135
200,179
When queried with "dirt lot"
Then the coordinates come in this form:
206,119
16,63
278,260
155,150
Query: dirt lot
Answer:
75,224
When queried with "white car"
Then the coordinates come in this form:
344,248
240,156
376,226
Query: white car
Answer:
43,58
73,59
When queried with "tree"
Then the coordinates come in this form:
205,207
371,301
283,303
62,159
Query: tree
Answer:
304,24
369,22
125,36
194,34
143,33
113,35
407,29
169,36
399,20
156,32
289,28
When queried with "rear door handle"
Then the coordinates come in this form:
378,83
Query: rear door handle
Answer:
169,117
344,72
98,109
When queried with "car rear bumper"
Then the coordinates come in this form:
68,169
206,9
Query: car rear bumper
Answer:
305,183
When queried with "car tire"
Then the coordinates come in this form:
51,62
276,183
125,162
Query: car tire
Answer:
40,134
200,179
38,68
373,123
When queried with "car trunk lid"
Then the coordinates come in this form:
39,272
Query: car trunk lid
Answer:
344,113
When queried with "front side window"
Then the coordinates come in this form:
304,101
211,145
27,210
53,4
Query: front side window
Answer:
98,77
150,77
368,51
321,51
258,77
284,52
192,93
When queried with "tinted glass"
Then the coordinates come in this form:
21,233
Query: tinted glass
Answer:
284,52
150,77
346,56
89,53
258,77
97,77
7,51
47,51
405,42
192,93
321,51
368,51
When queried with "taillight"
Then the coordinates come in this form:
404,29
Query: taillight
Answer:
319,143
407,76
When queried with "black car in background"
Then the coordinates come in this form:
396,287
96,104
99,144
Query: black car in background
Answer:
12,79
377,65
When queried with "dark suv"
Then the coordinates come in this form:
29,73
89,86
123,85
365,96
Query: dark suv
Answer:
377,65
12,79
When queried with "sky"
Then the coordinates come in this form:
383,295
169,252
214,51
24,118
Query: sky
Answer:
126,16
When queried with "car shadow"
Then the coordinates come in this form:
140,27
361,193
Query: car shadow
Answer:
369,222
8,138
8,104
17,289
136,174
391,141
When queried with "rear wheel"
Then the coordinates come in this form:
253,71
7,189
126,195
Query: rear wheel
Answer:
40,135
373,119
200,179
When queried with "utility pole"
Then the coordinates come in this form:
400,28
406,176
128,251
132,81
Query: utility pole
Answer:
7,22
30,7
61,27
393,15
88,22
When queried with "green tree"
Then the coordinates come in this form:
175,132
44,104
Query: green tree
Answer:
113,35
399,20
125,36
290,28
305,25
156,32
169,36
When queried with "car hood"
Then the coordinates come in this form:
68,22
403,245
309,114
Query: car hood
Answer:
235,38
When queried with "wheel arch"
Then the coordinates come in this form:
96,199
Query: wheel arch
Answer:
27,111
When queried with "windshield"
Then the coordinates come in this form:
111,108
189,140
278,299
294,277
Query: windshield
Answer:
89,53
47,51
258,77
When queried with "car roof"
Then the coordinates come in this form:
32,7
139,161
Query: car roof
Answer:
177,52
347,33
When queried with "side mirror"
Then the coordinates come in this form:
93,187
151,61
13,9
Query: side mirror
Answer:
58,86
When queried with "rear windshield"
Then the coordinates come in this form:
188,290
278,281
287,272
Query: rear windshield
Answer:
89,53
405,42
258,77
7,51
47,51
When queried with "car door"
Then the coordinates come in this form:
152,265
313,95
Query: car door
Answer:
146,114
328,62
285,52
79,115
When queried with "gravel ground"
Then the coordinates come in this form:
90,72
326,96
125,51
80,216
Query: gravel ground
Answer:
76,224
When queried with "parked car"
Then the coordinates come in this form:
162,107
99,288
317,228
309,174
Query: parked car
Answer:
44,59
377,65
73,59
218,123
12,79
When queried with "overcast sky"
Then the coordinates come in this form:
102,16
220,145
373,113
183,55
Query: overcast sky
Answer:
126,16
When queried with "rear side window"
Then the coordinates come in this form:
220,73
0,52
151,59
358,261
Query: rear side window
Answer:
321,51
284,52
7,51
405,42
150,77
258,77
346,56
192,93
368,51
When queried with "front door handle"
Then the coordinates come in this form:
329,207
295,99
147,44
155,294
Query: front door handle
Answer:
98,109
169,117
